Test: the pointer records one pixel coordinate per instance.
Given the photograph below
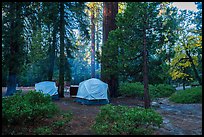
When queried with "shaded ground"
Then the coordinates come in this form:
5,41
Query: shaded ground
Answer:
179,119
84,115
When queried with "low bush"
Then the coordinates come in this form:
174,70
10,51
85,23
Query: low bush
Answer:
122,120
191,95
195,83
131,89
66,117
45,130
163,90
137,89
59,123
33,106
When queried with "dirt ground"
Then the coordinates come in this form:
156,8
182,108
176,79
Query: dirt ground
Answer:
84,115
178,119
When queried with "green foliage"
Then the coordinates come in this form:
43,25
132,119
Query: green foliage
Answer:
187,62
58,123
67,116
30,107
128,40
122,120
137,89
131,89
45,130
164,90
194,83
192,95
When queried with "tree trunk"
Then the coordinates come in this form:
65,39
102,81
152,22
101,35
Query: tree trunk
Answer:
52,54
14,47
194,68
110,9
184,85
97,48
92,44
61,65
145,71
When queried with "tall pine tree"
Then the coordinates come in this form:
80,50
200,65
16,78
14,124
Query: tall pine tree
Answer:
110,10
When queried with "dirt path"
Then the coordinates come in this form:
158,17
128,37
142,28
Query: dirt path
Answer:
180,119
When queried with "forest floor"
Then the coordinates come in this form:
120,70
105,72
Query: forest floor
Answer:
178,119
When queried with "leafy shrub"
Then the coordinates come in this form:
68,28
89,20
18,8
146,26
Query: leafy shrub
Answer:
131,89
45,130
122,120
27,108
192,95
195,83
163,90
59,123
137,89
67,116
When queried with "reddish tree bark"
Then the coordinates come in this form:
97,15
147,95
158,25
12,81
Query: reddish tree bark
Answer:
110,9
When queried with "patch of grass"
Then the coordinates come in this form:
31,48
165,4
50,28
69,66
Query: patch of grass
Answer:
192,95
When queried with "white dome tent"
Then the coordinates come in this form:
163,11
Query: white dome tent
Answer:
92,91
47,87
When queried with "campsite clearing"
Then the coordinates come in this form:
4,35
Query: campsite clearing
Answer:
179,119
176,119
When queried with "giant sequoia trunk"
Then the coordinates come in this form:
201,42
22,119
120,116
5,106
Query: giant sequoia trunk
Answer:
61,65
15,31
92,45
110,9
